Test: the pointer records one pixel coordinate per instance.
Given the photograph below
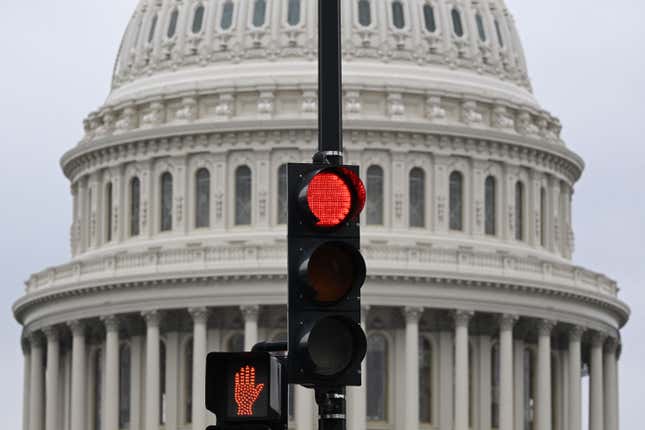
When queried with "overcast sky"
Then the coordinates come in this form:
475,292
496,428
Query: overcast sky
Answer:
585,59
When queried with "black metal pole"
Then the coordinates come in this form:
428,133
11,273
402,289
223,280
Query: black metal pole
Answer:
331,408
330,117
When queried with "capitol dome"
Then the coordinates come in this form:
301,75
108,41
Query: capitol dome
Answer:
476,316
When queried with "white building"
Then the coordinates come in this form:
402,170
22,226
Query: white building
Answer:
475,315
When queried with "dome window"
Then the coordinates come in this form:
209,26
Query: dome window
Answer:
198,19
499,34
283,204
374,206
519,211
480,27
172,25
457,25
166,202
543,217
108,211
226,21
293,12
259,13
135,206
490,191
398,18
429,18
417,197
202,198
153,28
243,189
364,13
456,201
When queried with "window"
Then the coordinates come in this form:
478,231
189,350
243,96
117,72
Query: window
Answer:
188,382
283,204
499,34
529,389
398,18
235,343
429,18
490,202
243,196
163,406
124,386
202,198
374,205
172,25
293,12
198,19
480,27
153,28
456,201
108,212
135,206
457,25
425,380
519,211
377,374
166,202
98,388
226,21
417,197
542,216
259,13
364,13
495,375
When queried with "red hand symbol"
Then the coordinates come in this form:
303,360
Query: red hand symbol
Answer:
246,392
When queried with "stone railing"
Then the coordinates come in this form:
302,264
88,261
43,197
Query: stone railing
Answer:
382,261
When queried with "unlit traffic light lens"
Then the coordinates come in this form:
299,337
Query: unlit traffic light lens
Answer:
331,345
333,270
329,199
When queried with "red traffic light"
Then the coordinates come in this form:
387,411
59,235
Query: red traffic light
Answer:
333,196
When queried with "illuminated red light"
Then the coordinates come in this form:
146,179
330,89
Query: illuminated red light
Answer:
246,392
329,198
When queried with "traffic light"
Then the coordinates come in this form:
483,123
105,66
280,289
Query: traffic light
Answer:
326,271
246,390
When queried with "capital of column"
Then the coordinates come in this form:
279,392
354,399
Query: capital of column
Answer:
412,314
250,312
462,317
576,332
598,339
111,323
545,327
611,346
51,333
35,339
507,321
199,315
152,317
77,327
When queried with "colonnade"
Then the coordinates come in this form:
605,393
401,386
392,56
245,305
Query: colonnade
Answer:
43,378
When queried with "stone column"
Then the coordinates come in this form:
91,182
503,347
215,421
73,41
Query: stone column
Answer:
200,319
596,413
136,397
543,380
52,378
250,314
26,375
152,370
36,400
518,383
78,375
506,324
111,402
575,375
461,369
304,404
412,316
357,396
611,385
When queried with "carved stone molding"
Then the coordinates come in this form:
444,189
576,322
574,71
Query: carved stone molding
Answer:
152,317
199,315
576,332
545,327
507,321
250,312
462,317
111,323
412,314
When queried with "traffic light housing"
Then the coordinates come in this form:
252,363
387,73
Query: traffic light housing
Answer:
326,271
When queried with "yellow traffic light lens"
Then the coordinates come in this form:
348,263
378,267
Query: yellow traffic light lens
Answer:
332,271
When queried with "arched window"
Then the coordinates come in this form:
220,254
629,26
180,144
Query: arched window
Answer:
198,19
283,204
456,201
495,375
457,25
172,24
108,212
188,382
226,21
293,12
235,343
163,406
374,205
202,198
498,30
364,13
429,18
542,216
166,202
243,196
124,386
153,28
529,389
377,374
490,206
135,206
417,197
398,16
480,27
259,13
425,380
98,388
519,211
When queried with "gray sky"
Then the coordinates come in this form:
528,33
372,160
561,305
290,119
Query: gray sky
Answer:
585,59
